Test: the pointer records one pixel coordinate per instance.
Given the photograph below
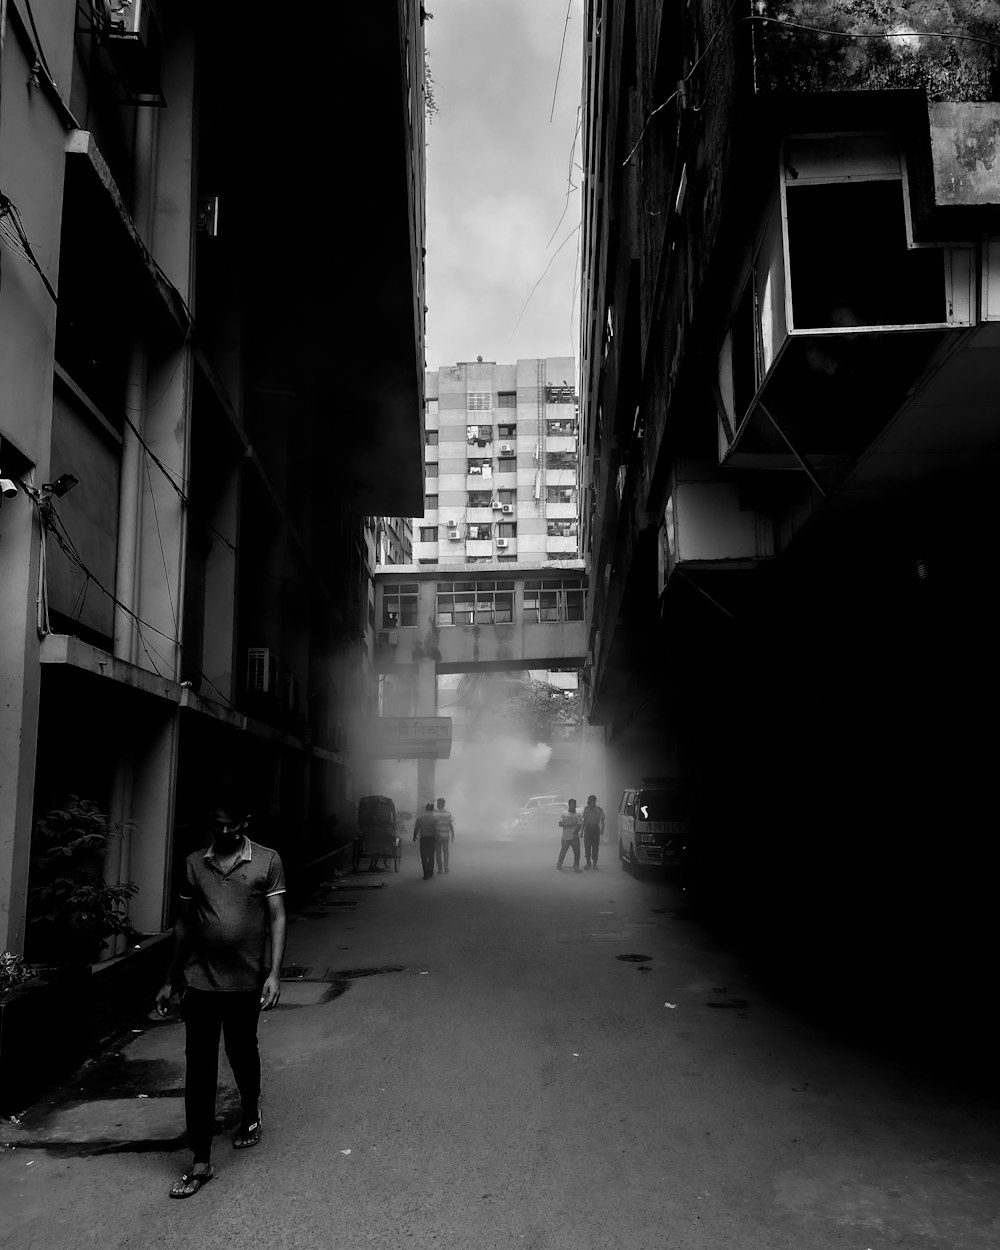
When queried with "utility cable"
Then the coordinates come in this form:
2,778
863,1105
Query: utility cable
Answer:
777,21
562,48
539,282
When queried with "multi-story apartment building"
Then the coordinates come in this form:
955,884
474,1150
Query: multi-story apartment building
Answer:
184,278
502,464
790,370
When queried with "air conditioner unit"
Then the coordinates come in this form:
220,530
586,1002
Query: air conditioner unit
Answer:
387,638
454,535
130,32
508,508
502,543
496,504
453,525
506,449
262,670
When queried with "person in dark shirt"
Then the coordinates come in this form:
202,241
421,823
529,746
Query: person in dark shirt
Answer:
446,835
425,828
593,831
233,896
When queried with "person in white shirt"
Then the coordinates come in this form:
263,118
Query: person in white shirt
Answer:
570,822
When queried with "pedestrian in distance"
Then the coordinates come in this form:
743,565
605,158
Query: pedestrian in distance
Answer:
593,831
232,899
426,829
570,822
445,834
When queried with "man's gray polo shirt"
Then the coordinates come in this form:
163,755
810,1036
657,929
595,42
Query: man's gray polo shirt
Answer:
231,917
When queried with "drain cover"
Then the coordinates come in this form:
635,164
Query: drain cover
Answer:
351,973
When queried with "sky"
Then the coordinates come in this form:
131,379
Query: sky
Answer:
497,179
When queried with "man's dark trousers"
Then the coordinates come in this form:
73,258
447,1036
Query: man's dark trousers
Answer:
207,1014
591,842
427,848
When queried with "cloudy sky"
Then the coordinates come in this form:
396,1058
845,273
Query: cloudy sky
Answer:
497,179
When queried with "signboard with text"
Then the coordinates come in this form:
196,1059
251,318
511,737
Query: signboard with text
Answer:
406,737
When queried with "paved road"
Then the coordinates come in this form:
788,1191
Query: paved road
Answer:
561,1062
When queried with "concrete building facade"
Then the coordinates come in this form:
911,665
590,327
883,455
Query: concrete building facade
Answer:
502,464
199,607
790,368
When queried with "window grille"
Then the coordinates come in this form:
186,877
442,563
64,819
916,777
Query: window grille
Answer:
399,604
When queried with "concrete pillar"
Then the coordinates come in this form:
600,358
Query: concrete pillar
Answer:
425,783
20,678
425,704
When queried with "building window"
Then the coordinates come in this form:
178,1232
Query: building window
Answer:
431,503
507,464
506,399
432,469
430,438
553,599
560,459
506,431
432,407
561,429
479,435
480,531
507,496
480,499
399,605
480,468
479,401
475,603
428,533
562,529
427,560
507,529
506,557
560,494
560,395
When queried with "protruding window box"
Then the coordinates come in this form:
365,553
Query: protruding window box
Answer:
706,526
840,311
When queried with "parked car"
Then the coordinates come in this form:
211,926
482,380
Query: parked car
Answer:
542,811
653,823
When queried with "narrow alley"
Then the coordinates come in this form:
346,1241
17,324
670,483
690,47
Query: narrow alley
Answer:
510,1056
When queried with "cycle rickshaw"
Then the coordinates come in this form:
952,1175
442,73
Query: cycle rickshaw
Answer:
379,839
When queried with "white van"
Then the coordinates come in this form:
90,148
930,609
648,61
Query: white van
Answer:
652,823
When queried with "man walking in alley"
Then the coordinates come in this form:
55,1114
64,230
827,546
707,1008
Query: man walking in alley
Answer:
593,831
233,896
570,822
445,834
425,828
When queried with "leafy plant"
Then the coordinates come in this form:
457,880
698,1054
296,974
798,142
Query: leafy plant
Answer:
72,910
13,971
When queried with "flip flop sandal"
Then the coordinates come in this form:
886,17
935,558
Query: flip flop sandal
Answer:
190,1183
249,1136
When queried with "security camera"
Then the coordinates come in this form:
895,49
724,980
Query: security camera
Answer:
8,488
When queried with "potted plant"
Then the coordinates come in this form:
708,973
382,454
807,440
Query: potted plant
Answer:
72,910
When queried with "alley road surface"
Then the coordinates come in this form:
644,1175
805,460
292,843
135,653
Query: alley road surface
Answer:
525,1079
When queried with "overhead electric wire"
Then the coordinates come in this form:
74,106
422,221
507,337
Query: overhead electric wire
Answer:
54,524
570,187
562,48
730,29
574,231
